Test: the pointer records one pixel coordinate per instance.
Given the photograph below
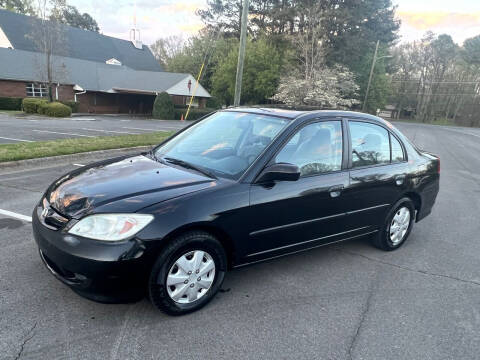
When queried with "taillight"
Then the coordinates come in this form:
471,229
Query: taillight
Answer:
438,165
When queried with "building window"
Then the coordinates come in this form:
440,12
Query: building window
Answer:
37,90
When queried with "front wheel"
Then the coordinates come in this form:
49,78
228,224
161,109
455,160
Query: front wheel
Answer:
188,273
397,226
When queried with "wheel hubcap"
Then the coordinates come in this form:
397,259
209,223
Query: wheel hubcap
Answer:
190,277
399,225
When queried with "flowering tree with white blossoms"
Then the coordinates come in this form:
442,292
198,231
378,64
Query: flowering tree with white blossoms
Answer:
312,82
328,87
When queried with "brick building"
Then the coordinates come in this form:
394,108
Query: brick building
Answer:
104,74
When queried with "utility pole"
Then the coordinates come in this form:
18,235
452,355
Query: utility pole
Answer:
241,54
370,77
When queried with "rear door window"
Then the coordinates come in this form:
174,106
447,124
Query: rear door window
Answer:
370,144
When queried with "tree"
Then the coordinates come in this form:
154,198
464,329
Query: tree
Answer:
19,6
349,26
49,39
166,49
163,107
222,14
468,93
405,68
340,32
309,43
438,79
69,15
206,46
353,27
261,73
471,50
327,88
380,85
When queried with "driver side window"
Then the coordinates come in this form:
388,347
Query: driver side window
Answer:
315,149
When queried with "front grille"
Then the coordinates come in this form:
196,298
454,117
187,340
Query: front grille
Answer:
49,217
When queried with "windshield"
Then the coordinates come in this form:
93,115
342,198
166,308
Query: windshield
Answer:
225,143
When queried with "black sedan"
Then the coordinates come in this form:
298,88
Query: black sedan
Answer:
237,187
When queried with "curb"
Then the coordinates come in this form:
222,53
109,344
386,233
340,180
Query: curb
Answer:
53,161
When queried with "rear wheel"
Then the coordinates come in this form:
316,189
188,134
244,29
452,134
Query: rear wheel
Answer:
188,273
397,226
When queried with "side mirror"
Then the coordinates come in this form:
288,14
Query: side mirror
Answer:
280,171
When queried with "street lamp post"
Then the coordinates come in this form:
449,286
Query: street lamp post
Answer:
375,58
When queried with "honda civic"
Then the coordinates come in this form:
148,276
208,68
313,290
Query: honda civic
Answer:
237,187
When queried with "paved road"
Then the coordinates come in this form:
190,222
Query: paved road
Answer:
346,301
34,128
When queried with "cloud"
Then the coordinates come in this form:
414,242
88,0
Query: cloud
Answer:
177,7
191,28
438,19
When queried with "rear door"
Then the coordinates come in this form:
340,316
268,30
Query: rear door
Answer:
377,176
291,215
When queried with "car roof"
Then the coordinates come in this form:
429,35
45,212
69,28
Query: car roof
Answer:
293,114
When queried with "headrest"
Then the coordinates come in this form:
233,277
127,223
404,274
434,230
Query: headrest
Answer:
372,140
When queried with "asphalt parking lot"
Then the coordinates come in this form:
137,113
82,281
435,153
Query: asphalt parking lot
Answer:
348,301
36,128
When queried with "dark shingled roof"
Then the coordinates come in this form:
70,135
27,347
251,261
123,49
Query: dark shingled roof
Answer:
80,44
22,65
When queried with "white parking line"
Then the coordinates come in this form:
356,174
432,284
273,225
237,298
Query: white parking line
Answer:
56,132
1,137
15,215
79,165
111,131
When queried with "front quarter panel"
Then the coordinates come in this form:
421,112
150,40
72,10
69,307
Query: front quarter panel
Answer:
222,207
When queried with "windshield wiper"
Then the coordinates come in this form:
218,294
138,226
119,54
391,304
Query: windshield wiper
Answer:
152,154
188,165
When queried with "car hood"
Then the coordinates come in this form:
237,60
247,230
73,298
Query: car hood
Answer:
121,185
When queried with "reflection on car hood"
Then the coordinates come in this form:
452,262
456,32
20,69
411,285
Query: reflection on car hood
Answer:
121,185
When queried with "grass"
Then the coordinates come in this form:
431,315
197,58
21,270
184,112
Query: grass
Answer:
39,149
11,112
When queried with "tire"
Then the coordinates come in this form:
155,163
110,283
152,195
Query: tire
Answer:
185,249
385,239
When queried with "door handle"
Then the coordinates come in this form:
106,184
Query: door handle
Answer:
336,190
400,179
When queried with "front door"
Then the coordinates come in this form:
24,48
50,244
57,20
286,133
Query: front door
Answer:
287,216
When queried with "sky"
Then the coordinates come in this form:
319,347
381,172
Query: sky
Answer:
161,18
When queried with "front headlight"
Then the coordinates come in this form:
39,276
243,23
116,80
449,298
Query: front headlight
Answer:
110,227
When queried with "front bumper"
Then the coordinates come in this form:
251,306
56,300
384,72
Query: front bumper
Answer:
105,272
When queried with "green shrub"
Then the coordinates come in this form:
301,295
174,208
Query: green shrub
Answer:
41,107
194,113
57,109
30,105
10,103
213,103
163,107
72,105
